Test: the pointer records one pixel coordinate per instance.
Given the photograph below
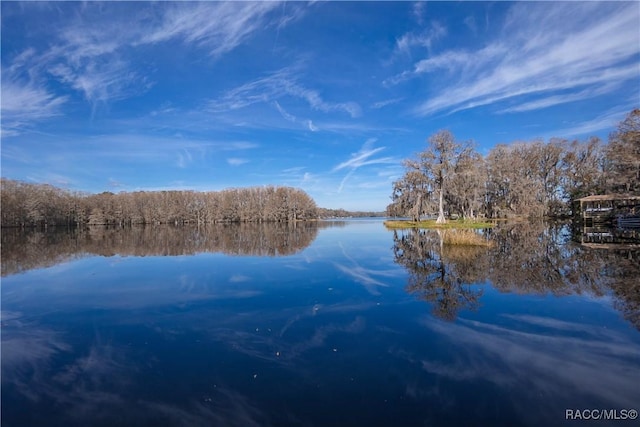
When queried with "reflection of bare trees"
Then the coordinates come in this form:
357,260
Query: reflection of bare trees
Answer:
526,258
436,275
622,268
536,258
25,250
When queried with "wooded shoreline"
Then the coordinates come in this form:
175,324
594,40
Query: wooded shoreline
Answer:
521,179
43,205
28,205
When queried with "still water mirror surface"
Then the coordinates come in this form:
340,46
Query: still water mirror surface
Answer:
320,324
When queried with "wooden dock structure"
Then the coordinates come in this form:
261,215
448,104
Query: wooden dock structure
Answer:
613,210
610,238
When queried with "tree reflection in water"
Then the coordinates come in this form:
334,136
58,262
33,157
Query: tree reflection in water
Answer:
26,250
525,258
437,272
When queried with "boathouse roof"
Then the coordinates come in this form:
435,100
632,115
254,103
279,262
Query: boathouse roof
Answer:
602,197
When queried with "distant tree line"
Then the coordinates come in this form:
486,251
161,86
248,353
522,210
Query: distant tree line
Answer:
342,213
532,179
26,204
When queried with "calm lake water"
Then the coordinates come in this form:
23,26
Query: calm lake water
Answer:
329,324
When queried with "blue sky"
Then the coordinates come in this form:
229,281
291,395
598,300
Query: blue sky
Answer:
326,96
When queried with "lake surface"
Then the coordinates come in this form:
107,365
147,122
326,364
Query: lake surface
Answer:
325,324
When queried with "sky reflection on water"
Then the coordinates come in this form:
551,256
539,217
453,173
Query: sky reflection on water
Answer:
331,334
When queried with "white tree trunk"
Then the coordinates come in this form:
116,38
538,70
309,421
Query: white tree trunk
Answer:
441,219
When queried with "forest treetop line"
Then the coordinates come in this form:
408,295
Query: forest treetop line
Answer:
524,179
533,179
27,205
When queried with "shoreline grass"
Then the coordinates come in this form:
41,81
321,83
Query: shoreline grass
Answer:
464,237
431,223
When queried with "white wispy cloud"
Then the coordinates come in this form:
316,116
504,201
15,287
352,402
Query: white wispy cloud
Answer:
542,49
344,180
424,39
418,11
470,22
298,176
386,102
364,157
312,127
283,113
91,52
361,128
84,57
293,170
81,40
461,62
101,155
374,185
293,119
26,102
217,26
277,85
237,161
606,120
184,158
105,80
562,98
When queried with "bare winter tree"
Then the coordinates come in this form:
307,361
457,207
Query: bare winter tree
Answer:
513,187
547,158
582,169
467,188
412,193
42,205
431,175
532,179
438,163
623,155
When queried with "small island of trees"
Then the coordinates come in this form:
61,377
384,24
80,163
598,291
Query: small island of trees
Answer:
522,179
